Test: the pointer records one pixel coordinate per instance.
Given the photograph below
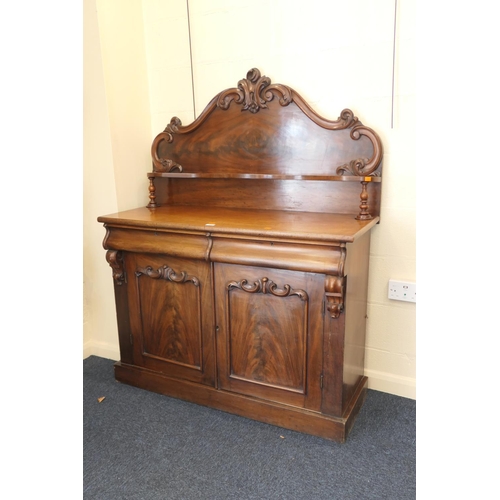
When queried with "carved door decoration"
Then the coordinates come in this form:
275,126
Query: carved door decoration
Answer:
172,316
267,328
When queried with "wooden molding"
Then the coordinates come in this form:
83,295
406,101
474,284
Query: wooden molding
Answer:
265,285
167,273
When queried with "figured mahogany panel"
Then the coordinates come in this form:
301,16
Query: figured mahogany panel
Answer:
172,332
277,140
267,347
171,315
260,127
267,333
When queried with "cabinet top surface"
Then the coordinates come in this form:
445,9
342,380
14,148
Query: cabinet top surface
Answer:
312,226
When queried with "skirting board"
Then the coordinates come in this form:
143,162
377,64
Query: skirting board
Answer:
377,380
391,384
101,349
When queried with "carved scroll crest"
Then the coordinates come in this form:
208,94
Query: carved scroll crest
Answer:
347,119
165,164
254,92
167,273
364,166
172,128
115,260
265,285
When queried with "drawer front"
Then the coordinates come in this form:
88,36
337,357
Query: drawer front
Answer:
281,255
192,246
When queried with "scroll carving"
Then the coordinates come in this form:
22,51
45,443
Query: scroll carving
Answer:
167,273
164,164
172,128
364,166
115,260
347,118
334,294
265,285
254,92
167,166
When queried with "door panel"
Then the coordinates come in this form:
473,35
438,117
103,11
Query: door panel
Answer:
172,316
270,346
269,333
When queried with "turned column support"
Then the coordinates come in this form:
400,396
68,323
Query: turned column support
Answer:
152,193
364,213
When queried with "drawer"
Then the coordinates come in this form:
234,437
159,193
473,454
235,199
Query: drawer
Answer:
293,256
193,246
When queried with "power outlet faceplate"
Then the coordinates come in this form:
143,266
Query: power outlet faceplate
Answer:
402,290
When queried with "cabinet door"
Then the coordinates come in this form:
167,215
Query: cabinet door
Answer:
171,316
269,340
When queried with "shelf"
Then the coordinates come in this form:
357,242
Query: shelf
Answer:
309,177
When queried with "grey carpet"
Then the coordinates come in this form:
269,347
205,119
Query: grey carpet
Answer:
144,446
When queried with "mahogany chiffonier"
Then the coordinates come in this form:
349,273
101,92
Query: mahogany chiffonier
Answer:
242,285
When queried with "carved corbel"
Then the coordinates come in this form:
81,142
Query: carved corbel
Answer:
115,260
334,295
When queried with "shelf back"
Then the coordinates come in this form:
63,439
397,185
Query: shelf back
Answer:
259,128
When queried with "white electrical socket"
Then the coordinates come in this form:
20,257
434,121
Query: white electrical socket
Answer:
402,290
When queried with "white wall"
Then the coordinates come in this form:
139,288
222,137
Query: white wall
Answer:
117,139
336,54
